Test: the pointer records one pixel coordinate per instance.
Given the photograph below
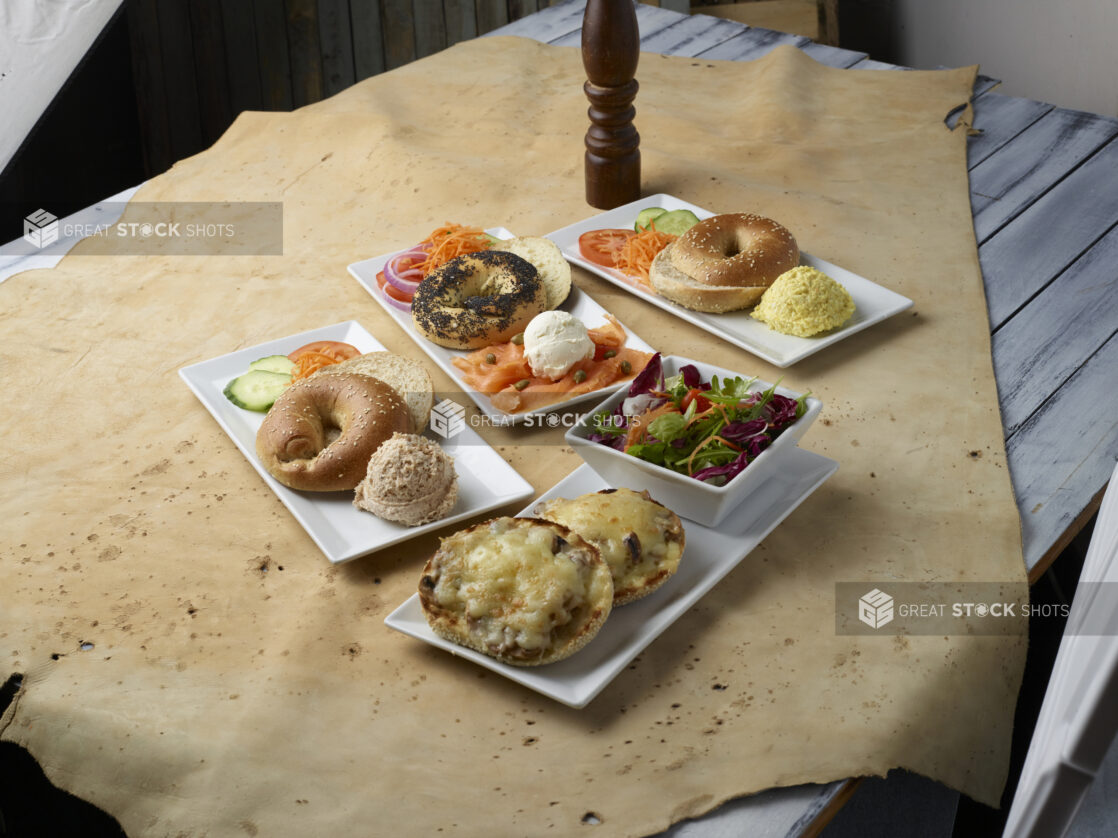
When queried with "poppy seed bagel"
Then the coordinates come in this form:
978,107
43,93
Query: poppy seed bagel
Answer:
477,300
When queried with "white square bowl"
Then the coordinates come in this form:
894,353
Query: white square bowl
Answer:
702,502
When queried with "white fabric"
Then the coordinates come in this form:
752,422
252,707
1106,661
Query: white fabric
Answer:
41,42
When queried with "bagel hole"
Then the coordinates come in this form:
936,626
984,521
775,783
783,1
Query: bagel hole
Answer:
731,250
331,433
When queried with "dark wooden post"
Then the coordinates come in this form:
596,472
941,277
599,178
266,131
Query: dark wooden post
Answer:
610,50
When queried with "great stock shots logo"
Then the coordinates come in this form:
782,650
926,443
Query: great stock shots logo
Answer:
875,609
941,608
40,228
448,418
163,228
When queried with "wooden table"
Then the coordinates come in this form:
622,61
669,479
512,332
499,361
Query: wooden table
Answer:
1044,193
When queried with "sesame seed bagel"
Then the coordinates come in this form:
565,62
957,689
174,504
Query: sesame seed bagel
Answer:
478,299
322,430
673,284
735,250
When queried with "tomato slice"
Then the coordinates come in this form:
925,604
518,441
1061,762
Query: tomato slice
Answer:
695,395
391,290
602,246
333,349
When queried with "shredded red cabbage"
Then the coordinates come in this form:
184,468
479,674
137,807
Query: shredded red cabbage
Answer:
650,378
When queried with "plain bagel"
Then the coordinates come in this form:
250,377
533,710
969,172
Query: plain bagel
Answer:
738,249
673,284
321,432
478,299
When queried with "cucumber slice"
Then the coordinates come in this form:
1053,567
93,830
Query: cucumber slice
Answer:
676,222
274,363
647,215
256,389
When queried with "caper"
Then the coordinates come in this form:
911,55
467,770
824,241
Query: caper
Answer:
626,367
518,339
490,358
610,353
580,376
522,383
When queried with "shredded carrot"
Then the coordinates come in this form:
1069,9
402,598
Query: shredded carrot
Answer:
636,255
310,363
449,241
638,427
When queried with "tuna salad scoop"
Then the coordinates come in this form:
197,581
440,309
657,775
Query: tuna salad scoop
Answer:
410,480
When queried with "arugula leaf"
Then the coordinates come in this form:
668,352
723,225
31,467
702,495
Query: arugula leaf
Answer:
605,424
729,391
737,387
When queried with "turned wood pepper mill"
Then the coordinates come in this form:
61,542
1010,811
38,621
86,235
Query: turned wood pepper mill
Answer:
610,50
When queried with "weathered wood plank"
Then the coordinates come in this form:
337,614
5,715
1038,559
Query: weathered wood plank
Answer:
833,56
1026,167
1035,352
430,27
305,53
828,22
691,35
871,64
752,43
571,39
399,33
151,96
368,39
179,83
522,8
1057,466
461,22
1021,258
651,20
983,84
336,42
547,24
207,34
271,45
775,813
491,14
999,119
242,60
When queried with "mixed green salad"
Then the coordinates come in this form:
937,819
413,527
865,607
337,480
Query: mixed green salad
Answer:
708,430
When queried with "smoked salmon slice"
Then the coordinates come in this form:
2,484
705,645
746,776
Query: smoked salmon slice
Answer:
498,379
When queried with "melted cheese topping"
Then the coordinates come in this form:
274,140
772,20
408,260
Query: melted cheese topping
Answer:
511,585
630,531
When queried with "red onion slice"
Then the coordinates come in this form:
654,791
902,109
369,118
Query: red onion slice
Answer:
400,271
392,301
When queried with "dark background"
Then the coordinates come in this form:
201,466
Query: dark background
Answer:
167,77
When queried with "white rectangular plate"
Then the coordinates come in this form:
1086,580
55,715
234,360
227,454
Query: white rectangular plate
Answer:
709,555
873,303
578,304
343,532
